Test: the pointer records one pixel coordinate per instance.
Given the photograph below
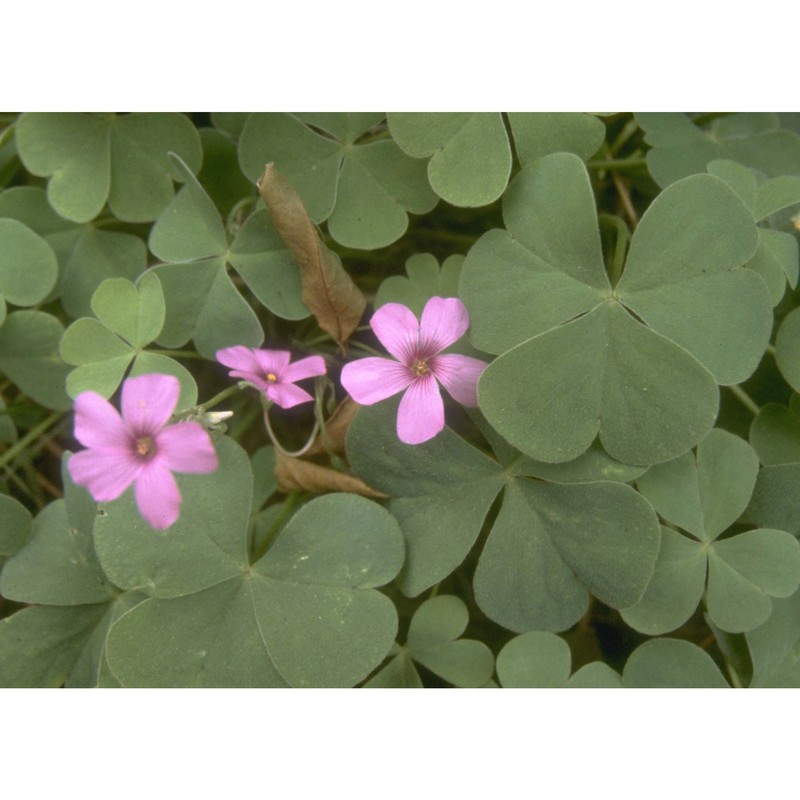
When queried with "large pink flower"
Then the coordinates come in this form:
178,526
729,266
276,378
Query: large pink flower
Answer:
138,447
417,346
271,372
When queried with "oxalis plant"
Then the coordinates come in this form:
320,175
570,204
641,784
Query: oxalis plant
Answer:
399,400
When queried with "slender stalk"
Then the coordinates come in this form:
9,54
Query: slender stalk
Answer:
745,399
291,454
617,163
219,398
771,350
289,503
31,436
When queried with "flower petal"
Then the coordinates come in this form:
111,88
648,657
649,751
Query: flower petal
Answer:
287,395
272,361
106,475
98,424
459,375
444,321
157,495
148,402
186,447
398,330
421,413
238,357
304,368
370,380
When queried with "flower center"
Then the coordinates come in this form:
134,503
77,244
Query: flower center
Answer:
420,367
272,377
146,446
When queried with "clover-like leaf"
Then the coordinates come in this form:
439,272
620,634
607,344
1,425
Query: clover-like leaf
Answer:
787,349
201,300
15,526
91,159
775,647
542,660
425,280
215,620
680,148
434,642
28,266
29,357
538,134
58,566
129,317
704,495
775,433
87,255
41,645
471,154
776,498
671,664
637,363
364,189
550,545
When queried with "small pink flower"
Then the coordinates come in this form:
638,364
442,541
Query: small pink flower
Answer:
139,447
271,372
417,347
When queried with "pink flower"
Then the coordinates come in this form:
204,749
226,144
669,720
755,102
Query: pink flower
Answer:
271,372
417,347
139,447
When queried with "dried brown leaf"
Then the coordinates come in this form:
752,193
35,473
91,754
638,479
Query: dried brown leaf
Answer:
328,291
297,474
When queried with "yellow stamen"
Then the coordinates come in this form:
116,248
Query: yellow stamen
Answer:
420,367
145,446
272,377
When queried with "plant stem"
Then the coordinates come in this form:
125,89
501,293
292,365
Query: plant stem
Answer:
288,506
278,446
745,399
31,436
617,163
219,398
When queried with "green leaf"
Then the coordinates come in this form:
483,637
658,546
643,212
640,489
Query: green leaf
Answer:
220,174
260,256
208,639
707,494
776,194
535,660
425,280
320,574
671,664
206,546
29,357
203,304
776,261
15,526
553,544
28,265
674,592
92,158
441,492
39,646
433,641
399,673
58,566
787,349
148,363
604,373
365,189
775,646
593,465
136,313
776,499
681,149
190,227
539,134
744,571
742,180
775,433
471,154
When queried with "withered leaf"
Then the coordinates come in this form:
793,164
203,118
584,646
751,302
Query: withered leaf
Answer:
328,291
298,474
